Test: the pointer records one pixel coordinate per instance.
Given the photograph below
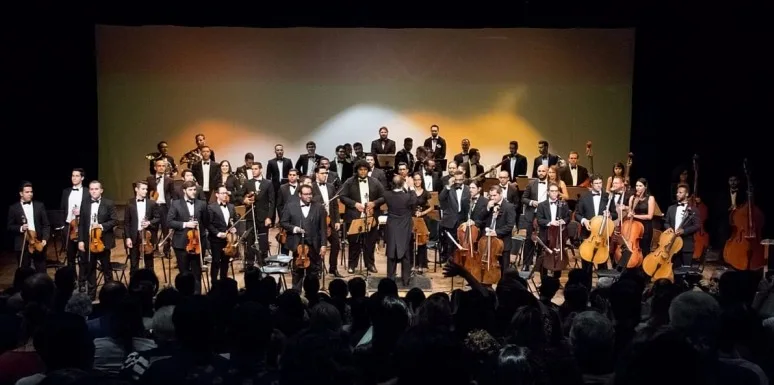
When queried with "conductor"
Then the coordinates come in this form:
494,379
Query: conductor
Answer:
400,224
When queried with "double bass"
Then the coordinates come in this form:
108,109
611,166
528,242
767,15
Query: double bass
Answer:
743,250
700,238
632,231
490,248
467,256
590,155
658,264
555,256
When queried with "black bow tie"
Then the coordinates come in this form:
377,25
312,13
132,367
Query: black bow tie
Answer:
553,203
76,189
190,202
304,205
573,167
222,205
733,191
292,186
363,180
681,204
428,173
158,178
595,194
503,186
541,182
458,188
321,184
206,163
26,203
140,200
95,201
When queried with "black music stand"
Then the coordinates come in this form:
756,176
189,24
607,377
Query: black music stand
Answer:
361,227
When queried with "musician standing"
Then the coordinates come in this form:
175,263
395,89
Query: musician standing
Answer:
435,143
206,172
186,215
591,204
307,162
324,193
359,194
479,205
510,192
472,168
288,191
455,203
405,155
73,199
164,186
179,193
515,163
431,179
99,213
463,156
399,229
258,192
245,171
162,154
374,172
220,216
544,159
141,214
383,145
341,164
536,192
573,174
685,222
503,224
29,215
307,218
553,213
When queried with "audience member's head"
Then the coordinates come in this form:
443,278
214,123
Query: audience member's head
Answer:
593,341
64,342
357,287
185,284
696,315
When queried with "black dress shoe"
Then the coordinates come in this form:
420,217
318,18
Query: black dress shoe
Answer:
336,274
372,269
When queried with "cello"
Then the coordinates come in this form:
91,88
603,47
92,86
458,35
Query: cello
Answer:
700,238
596,248
590,155
555,256
489,250
658,264
743,250
468,256
302,254
632,231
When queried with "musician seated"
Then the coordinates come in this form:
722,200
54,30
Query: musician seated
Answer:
500,219
685,222
555,214
574,174
304,222
591,204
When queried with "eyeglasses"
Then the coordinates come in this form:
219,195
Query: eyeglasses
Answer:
556,191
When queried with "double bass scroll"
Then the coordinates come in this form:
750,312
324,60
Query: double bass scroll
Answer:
590,155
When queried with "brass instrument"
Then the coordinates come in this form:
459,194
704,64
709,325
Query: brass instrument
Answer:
154,156
192,157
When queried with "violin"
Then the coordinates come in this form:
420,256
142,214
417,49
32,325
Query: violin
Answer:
490,248
232,241
73,230
596,247
590,155
328,224
700,238
282,236
96,245
147,245
154,195
302,254
34,245
194,244
632,231
658,264
743,250
555,258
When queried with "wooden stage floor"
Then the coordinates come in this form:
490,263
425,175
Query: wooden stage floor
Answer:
437,282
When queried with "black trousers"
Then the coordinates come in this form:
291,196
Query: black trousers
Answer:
405,267
368,246
683,258
35,260
335,249
134,255
251,254
164,210
529,248
71,251
189,263
88,268
220,261
448,247
312,272
207,195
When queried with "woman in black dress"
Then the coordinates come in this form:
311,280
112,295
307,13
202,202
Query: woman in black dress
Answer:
226,179
644,205
422,209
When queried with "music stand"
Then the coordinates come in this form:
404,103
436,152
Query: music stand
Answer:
575,192
489,182
385,160
361,227
420,228
523,181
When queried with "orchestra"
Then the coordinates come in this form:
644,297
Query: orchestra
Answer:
351,202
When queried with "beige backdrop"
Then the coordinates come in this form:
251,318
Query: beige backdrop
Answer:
248,89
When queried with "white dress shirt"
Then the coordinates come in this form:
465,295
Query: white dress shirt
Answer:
504,192
513,165
434,142
226,214
206,176
324,193
74,200
305,209
160,189
733,198
292,188
190,204
552,205
29,214
459,199
544,161
428,179
280,166
597,198
310,165
340,167
364,189
542,191
574,173
679,215
94,210
141,213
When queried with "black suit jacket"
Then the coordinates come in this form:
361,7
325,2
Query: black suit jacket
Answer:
440,147
216,223
531,194
379,175
480,212
503,223
273,171
178,214
350,195
690,225
284,196
198,172
180,194
543,214
406,157
264,199
585,208
520,166
460,158
566,176
452,215
64,202
106,217
313,224
333,178
15,222
478,169
132,221
333,205
169,186
302,164
347,169
389,147
552,160
436,177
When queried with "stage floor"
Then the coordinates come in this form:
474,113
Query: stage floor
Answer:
437,282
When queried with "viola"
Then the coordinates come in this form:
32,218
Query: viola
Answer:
328,224
743,250
302,254
96,245
147,245
490,248
701,238
232,241
31,236
596,248
154,195
73,230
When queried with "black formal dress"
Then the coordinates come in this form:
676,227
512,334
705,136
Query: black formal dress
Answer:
350,196
133,217
181,211
311,218
398,232
219,220
103,212
166,189
34,215
641,208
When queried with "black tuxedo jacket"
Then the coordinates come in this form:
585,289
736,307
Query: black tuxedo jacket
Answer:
520,167
313,224
333,178
690,225
178,214
15,222
566,176
406,157
504,223
440,147
106,217
132,221
543,214
264,199
180,194
350,195
480,212
379,175
389,147
478,169
273,171
302,164
347,169
452,215
216,222
585,208
64,202
284,196
552,160
198,172
333,205
169,186
531,194
436,176
460,158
